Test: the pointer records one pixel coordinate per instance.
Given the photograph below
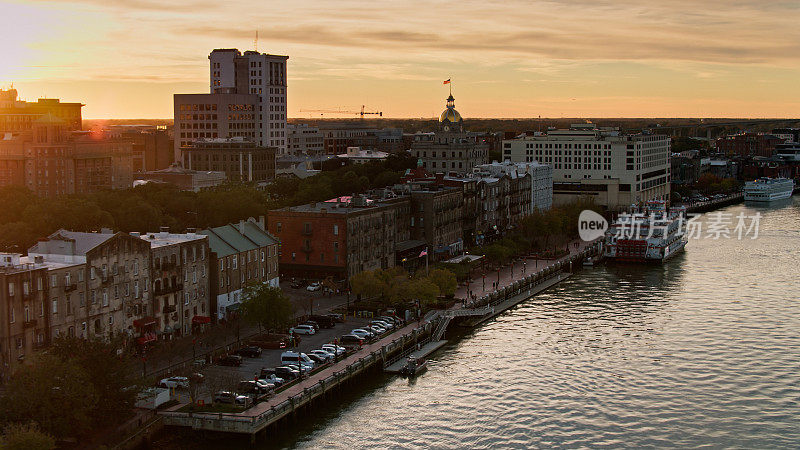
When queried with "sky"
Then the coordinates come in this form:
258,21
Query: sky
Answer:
509,58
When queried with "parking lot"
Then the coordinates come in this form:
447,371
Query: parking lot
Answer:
219,377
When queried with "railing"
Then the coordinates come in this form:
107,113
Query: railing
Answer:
70,287
168,289
29,323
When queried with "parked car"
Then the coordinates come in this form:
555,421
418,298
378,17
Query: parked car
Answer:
351,340
367,334
254,387
317,359
315,286
323,355
174,382
312,323
230,360
375,329
298,284
393,319
323,321
287,373
230,397
297,358
303,329
273,379
250,352
336,317
304,369
383,324
334,348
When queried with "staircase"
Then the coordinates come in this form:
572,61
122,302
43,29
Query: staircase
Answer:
438,333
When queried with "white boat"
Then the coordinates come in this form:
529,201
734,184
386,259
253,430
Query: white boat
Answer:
768,189
650,234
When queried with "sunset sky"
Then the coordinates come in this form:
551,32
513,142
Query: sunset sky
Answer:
610,58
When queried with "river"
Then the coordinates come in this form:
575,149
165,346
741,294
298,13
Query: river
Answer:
701,351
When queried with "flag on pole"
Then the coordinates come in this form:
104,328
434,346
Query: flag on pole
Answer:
424,252
447,81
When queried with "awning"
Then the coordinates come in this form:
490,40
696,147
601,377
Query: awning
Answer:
144,321
201,319
148,337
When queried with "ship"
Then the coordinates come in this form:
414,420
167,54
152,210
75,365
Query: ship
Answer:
768,189
649,234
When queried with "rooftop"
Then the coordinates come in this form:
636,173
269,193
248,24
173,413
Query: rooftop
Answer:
163,238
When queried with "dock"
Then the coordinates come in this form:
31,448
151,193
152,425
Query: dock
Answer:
424,351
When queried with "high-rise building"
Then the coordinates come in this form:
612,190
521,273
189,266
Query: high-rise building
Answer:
17,116
613,168
260,74
302,139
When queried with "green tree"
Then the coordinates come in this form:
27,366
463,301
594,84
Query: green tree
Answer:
444,280
422,289
27,436
109,375
56,394
267,306
366,284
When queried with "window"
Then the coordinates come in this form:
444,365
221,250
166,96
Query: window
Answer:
53,280
136,267
26,288
105,297
136,289
235,260
336,230
146,282
278,227
11,290
55,306
262,255
11,319
82,297
80,275
93,297
185,298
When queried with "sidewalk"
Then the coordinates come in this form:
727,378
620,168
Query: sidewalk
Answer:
513,272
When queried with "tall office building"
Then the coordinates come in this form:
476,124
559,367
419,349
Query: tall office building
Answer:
255,73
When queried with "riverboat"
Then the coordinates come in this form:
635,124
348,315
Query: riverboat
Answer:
768,189
650,234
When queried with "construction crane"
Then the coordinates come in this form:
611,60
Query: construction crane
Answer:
361,113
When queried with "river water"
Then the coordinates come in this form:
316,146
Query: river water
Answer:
701,351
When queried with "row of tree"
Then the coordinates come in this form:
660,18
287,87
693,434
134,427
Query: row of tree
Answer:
395,288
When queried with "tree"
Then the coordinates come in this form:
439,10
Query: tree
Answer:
54,393
18,436
444,280
116,386
267,306
366,284
422,289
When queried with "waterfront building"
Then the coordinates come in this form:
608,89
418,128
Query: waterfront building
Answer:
180,285
356,155
450,150
241,253
23,322
612,168
302,139
51,160
240,159
541,180
114,271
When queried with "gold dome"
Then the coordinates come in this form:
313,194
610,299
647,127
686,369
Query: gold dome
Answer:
450,115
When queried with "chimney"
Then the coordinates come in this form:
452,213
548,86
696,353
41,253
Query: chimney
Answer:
262,222
241,226
106,230
191,231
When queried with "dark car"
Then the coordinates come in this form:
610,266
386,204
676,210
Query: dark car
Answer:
250,352
336,317
298,284
312,323
230,397
323,321
350,341
286,373
230,360
316,359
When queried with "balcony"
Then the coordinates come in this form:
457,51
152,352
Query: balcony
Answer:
307,248
168,309
168,289
70,287
167,266
108,279
29,323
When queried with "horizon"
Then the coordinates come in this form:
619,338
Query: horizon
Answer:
511,60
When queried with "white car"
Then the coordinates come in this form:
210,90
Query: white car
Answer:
363,334
303,329
174,382
322,354
314,286
376,329
334,348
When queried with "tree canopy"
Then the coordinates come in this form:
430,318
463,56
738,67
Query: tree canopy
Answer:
266,306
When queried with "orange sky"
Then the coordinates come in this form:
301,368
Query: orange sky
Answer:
513,58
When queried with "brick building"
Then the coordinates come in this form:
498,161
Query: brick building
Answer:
241,253
19,116
748,144
239,159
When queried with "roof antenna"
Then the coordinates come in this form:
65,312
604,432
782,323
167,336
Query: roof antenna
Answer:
255,42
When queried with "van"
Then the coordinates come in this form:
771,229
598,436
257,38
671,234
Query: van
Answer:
296,358
350,340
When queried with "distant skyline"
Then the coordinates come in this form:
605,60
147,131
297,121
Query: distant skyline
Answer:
558,58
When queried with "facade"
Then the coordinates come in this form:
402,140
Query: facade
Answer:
259,74
240,254
749,144
210,116
337,136
614,169
50,160
19,116
184,179
541,180
356,155
180,285
302,139
152,147
239,159
450,150
23,319
114,270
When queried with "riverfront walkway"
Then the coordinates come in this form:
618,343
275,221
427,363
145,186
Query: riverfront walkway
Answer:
513,272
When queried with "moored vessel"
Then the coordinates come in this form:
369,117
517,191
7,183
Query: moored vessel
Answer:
768,189
652,233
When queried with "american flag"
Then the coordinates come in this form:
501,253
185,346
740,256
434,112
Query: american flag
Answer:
424,252
447,81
